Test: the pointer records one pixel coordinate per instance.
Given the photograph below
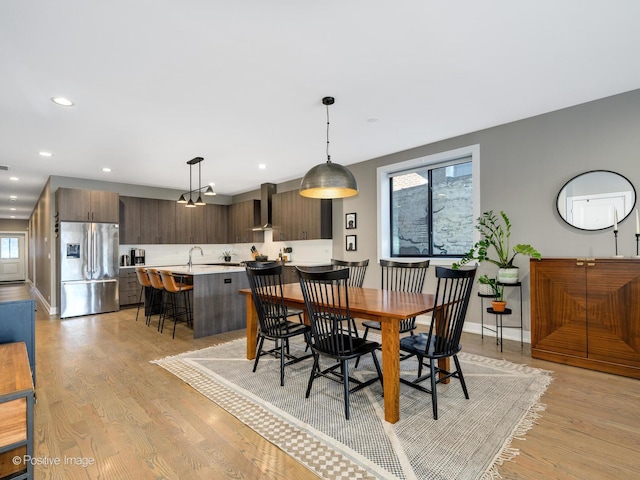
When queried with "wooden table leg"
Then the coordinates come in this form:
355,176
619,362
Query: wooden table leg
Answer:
252,328
391,369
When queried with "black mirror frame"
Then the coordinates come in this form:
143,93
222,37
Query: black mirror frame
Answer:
635,199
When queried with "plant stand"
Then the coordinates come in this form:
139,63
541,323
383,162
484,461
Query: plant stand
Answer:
498,316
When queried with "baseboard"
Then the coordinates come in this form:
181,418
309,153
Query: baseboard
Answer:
476,328
43,301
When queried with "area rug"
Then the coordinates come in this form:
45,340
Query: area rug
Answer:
470,440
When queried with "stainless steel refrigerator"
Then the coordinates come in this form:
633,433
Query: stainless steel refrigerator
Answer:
88,268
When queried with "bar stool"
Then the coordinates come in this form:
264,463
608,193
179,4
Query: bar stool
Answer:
143,280
158,287
176,289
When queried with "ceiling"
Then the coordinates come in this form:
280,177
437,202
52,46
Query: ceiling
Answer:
240,83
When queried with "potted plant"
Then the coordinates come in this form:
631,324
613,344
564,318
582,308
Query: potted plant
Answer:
494,247
485,285
498,303
226,255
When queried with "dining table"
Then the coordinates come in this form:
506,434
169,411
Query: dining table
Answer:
389,307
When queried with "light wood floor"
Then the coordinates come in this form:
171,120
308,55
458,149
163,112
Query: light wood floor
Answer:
100,399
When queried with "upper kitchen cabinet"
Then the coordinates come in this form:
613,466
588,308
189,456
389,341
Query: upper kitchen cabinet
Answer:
166,221
75,205
243,217
191,224
147,221
129,220
300,218
217,223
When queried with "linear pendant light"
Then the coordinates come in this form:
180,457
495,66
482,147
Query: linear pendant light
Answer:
209,191
328,180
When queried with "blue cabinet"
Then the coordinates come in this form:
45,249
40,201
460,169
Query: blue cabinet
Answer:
17,324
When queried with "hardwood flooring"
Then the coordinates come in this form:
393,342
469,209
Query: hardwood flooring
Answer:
100,401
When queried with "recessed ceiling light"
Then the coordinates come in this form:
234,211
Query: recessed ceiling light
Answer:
12,209
15,179
12,216
262,166
46,154
12,197
106,169
65,102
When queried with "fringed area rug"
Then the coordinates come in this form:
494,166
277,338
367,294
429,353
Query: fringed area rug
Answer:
470,440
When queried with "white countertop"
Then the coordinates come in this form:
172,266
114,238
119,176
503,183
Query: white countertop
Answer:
201,269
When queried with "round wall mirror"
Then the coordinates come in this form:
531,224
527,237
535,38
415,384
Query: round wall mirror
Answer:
595,200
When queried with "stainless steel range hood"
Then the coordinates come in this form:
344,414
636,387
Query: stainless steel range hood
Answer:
266,192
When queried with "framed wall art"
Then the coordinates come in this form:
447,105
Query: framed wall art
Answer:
351,243
350,221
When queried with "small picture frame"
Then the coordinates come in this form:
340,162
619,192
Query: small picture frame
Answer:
351,243
350,221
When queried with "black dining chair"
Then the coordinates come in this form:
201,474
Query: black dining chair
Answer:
357,270
266,290
326,298
403,277
443,339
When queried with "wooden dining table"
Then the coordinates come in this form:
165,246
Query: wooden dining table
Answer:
388,307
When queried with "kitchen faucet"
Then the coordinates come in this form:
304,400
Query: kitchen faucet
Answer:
191,251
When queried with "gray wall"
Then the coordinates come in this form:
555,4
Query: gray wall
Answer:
523,166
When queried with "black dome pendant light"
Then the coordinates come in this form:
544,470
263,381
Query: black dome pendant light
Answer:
328,180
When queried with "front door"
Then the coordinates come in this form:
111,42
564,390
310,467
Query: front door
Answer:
12,257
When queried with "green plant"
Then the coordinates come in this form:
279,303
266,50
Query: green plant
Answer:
494,234
498,290
227,254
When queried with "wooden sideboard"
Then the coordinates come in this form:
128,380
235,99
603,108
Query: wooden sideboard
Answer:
16,412
586,312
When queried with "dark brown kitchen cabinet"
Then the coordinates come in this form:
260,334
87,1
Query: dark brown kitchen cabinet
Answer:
300,218
217,220
584,312
191,224
77,205
167,221
242,217
128,287
129,220
147,221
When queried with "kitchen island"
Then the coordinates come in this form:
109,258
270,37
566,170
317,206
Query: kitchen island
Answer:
216,305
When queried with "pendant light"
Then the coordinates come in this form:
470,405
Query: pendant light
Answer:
199,201
328,180
190,203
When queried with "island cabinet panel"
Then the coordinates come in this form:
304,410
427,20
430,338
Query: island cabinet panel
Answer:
77,205
585,312
243,216
300,218
217,307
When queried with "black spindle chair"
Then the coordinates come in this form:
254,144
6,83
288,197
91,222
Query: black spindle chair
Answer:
443,339
266,290
326,298
403,277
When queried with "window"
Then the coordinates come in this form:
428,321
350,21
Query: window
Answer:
427,205
9,248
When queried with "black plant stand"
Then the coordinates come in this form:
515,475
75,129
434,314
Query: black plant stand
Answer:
499,320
